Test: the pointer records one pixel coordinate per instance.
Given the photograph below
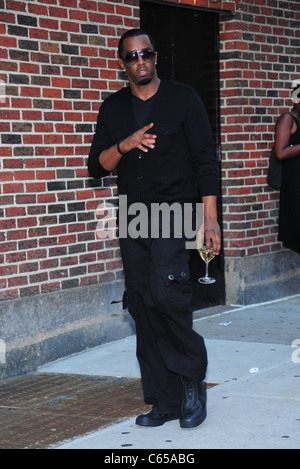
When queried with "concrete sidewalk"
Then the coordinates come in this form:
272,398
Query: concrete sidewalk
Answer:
254,360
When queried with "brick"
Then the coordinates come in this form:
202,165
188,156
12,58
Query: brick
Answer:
43,127
73,116
8,270
10,139
45,174
23,175
38,278
17,31
40,151
71,71
35,187
70,26
53,116
17,281
29,68
27,44
27,20
40,80
61,82
27,222
78,15
39,57
55,162
67,49
33,139
37,33
48,23
80,83
50,70
7,224
19,79
50,287
65,128
58,36
9,294
15,5
7,17
21,102
88,5
35,163
49,47
53,139
90,51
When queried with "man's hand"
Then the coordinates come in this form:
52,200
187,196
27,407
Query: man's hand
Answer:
210,231
110,157
140,139
212,236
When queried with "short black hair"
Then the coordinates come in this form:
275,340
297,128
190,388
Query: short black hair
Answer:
133,33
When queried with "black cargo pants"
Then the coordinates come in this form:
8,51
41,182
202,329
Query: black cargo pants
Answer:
159,299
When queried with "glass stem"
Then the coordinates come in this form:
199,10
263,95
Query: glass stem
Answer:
206,269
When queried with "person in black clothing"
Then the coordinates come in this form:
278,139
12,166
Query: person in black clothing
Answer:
287,149
157,135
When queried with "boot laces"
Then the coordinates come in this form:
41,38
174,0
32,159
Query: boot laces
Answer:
191,389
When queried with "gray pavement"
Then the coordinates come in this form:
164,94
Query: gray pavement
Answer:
254,360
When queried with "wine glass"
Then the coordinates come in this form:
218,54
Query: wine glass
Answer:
206,255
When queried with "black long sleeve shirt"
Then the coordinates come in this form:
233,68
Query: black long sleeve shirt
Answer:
183,164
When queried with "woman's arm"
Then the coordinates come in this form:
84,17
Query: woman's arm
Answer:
282,137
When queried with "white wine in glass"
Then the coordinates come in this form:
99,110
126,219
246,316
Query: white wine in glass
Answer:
206,255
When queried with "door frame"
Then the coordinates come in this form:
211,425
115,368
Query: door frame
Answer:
200,292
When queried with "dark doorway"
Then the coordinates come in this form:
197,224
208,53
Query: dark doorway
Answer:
187,44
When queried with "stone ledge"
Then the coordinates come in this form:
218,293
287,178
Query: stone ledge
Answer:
43,328
262,277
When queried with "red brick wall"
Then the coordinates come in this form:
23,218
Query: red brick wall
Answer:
260,50
58,61
259,59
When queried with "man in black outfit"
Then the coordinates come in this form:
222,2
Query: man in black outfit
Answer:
157,135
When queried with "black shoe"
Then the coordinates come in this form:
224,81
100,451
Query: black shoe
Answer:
155,418
193,409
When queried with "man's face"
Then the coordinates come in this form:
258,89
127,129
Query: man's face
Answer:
143,71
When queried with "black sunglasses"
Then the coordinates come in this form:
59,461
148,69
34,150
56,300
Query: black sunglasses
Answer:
132,57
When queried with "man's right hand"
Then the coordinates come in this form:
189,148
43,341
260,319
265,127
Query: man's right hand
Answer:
140,139
110,157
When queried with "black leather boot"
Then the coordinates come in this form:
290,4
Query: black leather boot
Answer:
155,418
193,409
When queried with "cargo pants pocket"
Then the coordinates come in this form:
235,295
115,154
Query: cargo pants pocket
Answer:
173,288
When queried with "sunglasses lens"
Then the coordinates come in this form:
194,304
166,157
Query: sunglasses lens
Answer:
131,58
147,54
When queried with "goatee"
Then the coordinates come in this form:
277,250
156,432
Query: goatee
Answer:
144,81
